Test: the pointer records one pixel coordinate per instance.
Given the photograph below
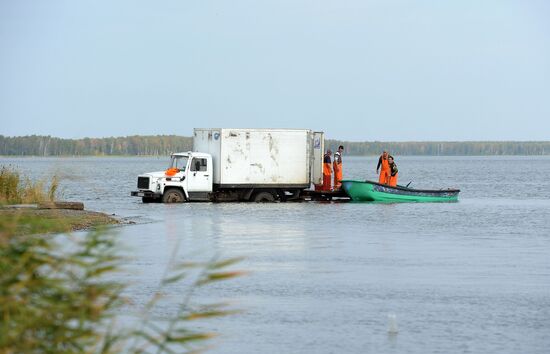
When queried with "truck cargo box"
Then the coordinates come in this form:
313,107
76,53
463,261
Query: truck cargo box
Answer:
262,157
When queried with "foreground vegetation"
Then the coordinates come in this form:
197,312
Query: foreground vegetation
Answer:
56,296
162,145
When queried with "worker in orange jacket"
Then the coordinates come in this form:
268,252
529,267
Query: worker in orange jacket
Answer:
385,171
394,172
337,167
327,171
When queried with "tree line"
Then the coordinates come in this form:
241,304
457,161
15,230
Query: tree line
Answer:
444,148
36,145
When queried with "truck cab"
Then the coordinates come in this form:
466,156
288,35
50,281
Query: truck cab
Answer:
188,178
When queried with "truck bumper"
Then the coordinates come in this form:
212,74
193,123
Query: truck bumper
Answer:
146,194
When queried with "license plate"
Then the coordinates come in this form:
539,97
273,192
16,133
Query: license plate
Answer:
141,194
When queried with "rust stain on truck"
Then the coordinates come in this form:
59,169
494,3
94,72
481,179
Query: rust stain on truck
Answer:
259,165
273,149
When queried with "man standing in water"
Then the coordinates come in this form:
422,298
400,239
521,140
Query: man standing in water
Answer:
337,167
327,171
385,171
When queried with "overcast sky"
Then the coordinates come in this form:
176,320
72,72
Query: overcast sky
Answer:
357,69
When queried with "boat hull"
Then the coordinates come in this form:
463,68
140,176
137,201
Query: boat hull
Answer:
376,192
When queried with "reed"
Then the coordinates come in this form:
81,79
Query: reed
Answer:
59,294
15,189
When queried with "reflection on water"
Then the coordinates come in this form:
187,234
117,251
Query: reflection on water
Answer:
472,276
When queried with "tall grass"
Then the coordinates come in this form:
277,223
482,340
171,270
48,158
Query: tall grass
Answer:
15,189
60,294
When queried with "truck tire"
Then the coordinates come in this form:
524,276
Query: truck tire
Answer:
264,197
173,195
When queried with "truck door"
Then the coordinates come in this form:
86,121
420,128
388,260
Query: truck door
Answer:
199,176
317,158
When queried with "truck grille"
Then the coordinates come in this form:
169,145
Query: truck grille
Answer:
143,182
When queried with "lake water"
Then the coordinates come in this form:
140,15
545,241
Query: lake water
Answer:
468,277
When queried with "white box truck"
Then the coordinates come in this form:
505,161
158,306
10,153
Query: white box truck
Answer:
261,165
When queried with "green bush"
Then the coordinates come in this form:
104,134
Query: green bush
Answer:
55,297
16,190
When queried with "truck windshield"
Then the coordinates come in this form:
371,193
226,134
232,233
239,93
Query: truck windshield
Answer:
179,162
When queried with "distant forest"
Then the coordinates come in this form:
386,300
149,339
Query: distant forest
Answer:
35,145
444,148
165,144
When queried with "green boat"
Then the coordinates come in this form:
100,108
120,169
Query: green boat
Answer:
376,192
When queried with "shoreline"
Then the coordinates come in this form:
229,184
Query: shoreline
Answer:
32,220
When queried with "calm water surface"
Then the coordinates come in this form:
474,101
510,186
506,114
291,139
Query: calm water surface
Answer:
468,277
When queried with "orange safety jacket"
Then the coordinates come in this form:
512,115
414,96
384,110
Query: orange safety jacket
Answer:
393,180
384,171
326,165
327,173
337,166
393,173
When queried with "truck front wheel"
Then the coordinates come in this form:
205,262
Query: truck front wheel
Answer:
264,197
173,195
